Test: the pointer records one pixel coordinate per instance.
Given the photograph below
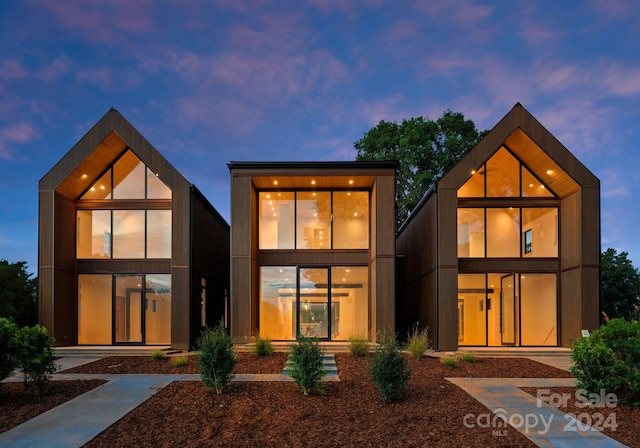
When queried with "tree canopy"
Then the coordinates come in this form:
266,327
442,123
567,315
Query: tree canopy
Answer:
17,293
620,284
425,149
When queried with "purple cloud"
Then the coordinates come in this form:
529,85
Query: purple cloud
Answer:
10,69
15,133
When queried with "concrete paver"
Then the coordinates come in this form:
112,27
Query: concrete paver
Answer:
544,425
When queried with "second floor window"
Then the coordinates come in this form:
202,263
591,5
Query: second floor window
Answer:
314,220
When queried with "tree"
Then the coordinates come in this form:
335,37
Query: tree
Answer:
620,284
425,149
18,293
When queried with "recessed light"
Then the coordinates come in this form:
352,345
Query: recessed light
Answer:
549,172
84,176
473,171
530,185
313,182
275,182
350,181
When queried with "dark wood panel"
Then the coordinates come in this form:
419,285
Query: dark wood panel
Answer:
384,227
447,331
471,265
180,301
571,296
64,233
45,298
590,245
124,266
241,299
241,222
313,258
66,307
383,293
570,231
447,227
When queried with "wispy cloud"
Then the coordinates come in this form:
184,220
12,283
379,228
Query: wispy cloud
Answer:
621,80
11,69
21,132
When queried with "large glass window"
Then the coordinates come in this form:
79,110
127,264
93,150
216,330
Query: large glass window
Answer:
501,232
350,220
538,308
93,234
277,220
470,232
505,177
128,234
158,233
293,298
472,306
540,230
139,302
136,234
314,220
94,309
129,178
157,309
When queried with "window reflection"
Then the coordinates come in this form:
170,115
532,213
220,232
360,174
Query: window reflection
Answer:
129,177
93,234
503,175
158,233
128,234
313,220
470,232
350,220
276,220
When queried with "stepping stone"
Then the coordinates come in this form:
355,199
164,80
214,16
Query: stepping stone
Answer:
328,362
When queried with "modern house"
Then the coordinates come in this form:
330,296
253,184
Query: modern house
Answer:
312,249
505,249
130,253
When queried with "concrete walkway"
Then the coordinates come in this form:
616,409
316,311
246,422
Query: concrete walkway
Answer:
544,425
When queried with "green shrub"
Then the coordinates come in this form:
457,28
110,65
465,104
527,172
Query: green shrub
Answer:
609,359
388,369
306,367
263,346
217,359
179,361
358,345
449,361
8,362
158,355
418,341
468,357
36,357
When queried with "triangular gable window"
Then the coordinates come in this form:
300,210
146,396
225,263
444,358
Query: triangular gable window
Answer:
503,176
128,178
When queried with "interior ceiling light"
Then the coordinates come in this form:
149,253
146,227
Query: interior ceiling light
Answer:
350,181
313,182
549,172
84,176
275,182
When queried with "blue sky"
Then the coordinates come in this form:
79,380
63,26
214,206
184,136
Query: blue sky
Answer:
207,82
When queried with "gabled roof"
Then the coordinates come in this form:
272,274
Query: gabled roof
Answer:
96,152
537,149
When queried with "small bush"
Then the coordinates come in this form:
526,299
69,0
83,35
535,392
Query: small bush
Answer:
263,346
179,361
609,359
358,345
36,357
158,355
8,362
217,359
306,367
418,341
468,357
449,361
388,369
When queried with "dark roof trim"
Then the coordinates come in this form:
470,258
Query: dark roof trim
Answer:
197,193
423,200
315,165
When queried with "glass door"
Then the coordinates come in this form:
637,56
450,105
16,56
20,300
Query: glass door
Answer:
313,303
128,317
508,310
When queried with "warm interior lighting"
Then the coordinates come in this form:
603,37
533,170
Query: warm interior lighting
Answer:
473,172
313,182
530,185
269,197
84,176
102,187
549,172
350,181
275,182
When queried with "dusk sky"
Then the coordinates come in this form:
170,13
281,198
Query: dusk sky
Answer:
207,82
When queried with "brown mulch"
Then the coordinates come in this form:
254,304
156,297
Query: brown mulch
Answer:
348,413
17,405
618,421
245,363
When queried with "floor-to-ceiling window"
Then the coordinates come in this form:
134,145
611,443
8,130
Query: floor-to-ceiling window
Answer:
140,306
125,214
506,213
507,309
323,302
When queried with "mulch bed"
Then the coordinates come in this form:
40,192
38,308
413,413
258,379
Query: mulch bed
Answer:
348,413
18,405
